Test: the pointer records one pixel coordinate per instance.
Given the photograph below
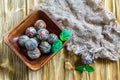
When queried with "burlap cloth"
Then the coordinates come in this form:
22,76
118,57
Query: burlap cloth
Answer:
95,30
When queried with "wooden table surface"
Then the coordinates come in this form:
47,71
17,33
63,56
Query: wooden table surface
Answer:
12,68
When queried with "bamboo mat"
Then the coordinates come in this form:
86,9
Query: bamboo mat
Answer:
12,68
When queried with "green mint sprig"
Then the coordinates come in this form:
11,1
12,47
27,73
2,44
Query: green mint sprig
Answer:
85,68
64,35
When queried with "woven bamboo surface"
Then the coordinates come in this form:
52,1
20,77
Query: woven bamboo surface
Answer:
12,68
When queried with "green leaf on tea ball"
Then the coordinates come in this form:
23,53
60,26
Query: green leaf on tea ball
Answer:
56,46
89,68
80,68
65,34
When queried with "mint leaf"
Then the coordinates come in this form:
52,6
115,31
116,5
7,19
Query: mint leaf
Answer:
80,68
65,34
89,68
56,46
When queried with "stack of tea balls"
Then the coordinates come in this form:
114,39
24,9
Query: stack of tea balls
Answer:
37,40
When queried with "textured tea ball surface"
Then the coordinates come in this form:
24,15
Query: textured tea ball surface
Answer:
45,47
52,37
43,34
31,44
86,58
31,32
38,40
39,24
22,39
34,54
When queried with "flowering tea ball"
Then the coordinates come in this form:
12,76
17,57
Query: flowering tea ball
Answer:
31,44
52,37
31,32
34,54
86,58
39,24
43,34
22,39
45,47
38,40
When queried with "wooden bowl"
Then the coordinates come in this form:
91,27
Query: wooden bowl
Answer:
12,36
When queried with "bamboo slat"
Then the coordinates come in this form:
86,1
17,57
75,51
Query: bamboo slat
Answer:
11,67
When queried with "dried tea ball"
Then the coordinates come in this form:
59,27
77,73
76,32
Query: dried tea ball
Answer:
34,54
22,39
31,44
43,34
38,40
45,47
31,32
39,24
86,58
52,37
